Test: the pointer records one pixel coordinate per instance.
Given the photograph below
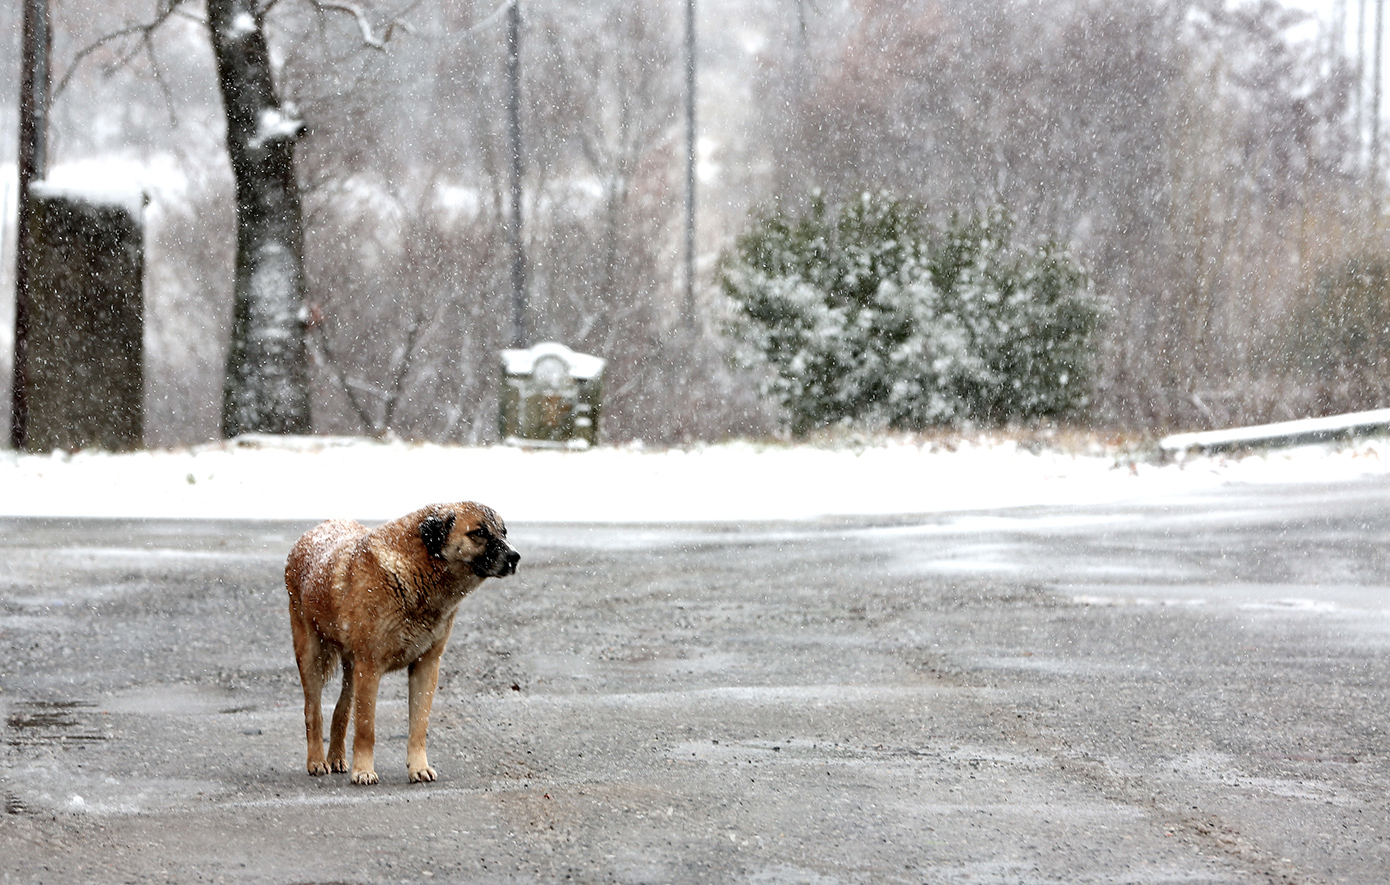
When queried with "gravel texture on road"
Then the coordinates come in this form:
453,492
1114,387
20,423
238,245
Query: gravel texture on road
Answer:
1185,690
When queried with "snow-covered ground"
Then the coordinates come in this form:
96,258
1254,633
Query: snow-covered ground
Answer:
318,477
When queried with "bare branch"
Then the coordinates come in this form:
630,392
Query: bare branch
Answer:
161,81
145,32
336,368
493,17
88,50
407,352
193,17
364,24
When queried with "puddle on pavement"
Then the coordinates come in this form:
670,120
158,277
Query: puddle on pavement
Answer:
178,700
63,792
52,784
38,723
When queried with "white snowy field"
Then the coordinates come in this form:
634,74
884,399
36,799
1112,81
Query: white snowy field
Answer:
316,477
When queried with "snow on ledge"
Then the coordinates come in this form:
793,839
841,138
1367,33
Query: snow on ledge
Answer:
130,198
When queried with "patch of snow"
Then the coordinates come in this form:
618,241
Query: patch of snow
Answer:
312,478
706,168
242,24
379,213
582,196
131,199
752,41
159,175
458,202
275,124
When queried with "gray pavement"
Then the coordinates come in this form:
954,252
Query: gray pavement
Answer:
1184,690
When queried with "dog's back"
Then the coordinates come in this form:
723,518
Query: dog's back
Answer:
309,575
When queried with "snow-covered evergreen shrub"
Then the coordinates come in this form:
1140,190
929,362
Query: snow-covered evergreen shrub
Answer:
865,316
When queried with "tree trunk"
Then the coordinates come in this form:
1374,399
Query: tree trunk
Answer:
266,389
33,166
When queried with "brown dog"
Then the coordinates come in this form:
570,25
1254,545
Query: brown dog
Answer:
378,601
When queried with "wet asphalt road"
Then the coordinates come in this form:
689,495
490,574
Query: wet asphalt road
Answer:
1190,690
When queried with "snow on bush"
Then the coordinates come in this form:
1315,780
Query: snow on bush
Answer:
865,316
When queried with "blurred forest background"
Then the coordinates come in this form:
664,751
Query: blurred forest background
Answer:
1210,164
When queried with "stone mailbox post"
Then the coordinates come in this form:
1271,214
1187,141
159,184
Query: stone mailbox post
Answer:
551,396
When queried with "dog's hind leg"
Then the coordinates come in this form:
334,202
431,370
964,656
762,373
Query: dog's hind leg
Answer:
342,711
310,654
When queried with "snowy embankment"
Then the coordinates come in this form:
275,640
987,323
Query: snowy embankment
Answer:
313,478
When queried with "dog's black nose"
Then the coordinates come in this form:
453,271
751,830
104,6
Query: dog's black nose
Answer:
513,558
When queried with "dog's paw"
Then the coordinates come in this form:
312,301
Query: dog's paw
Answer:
338,766
317,768
364,777
423,775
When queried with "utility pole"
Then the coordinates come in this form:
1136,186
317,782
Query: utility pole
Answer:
690,161
520,333
1360,80
33,166
1378,39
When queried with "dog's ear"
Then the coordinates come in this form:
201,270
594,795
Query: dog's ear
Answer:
434,532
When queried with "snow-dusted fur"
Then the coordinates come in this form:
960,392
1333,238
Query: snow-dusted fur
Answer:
384,600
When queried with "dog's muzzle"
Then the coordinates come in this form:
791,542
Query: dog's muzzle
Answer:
499,561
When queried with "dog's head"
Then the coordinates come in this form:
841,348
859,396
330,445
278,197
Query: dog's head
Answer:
470,536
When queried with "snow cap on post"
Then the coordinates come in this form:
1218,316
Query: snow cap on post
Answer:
130,197
582,366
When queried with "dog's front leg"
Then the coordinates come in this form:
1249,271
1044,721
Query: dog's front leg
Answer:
365,679
424,678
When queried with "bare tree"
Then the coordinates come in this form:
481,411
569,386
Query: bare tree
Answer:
266,381
267,377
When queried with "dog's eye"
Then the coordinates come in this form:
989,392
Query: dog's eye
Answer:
478,534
